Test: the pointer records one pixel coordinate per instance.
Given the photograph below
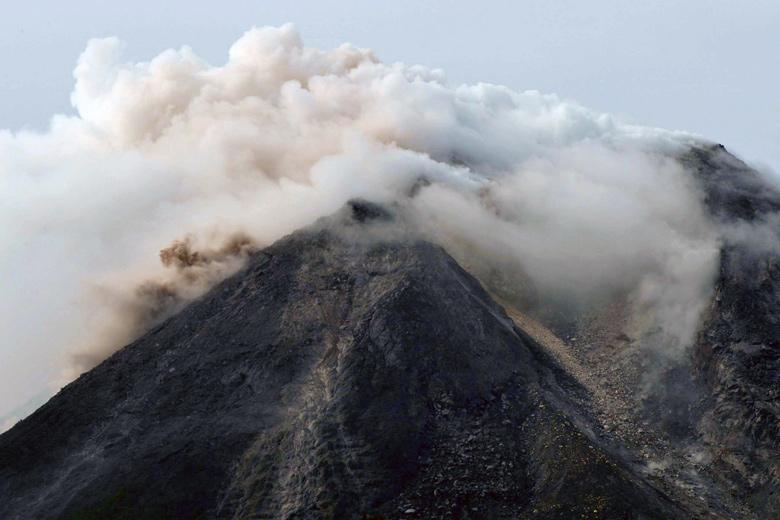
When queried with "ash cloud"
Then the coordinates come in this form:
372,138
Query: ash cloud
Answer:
126,307
569,204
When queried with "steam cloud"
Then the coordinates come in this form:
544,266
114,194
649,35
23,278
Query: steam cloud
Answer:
579,205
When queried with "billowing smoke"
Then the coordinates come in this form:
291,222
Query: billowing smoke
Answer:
573,204
124,307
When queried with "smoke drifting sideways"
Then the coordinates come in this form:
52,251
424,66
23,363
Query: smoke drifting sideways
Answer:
581,204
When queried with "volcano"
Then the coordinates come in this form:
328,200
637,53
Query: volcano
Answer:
355,370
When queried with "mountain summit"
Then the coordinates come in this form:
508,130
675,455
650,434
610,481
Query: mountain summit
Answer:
355,370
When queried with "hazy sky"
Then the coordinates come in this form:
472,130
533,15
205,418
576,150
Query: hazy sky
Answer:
707,66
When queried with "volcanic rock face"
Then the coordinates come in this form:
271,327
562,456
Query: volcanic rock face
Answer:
738,350
352,370
339,375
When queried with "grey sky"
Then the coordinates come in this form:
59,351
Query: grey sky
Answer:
707,66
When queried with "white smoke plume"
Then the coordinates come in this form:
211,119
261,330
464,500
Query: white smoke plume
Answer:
583,205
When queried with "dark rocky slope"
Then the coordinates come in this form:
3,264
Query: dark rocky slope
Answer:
342,374
353,371
738,350
707,425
